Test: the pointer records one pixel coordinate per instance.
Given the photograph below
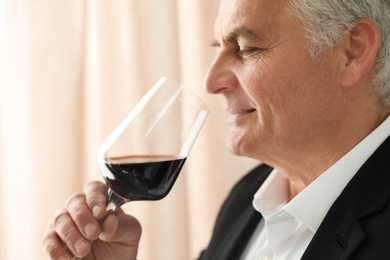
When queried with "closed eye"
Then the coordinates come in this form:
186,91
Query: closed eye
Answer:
249,52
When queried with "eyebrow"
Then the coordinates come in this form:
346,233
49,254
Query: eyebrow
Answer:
239,32
242,32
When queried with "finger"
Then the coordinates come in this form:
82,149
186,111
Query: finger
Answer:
81,215
68,232
109,227
52,246
96,197
120,227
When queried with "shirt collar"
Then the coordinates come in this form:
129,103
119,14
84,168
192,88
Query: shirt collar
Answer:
272,195
311,205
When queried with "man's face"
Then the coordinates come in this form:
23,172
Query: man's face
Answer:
279,100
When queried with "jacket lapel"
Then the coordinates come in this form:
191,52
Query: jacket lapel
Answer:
235,242
340,233
337,238
237,218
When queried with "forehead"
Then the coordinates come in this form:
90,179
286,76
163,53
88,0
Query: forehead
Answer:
250,13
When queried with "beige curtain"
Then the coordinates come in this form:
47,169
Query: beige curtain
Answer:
70,71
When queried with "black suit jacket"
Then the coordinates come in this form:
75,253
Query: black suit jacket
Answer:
357,226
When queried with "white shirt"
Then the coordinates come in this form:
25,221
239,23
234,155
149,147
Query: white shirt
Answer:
288,227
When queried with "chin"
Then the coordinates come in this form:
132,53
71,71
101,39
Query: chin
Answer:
240,144
235,146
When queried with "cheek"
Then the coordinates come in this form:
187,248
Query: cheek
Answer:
270,90
284,95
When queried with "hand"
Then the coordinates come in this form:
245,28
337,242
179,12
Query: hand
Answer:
82,228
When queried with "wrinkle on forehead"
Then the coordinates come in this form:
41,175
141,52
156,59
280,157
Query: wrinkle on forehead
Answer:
235,14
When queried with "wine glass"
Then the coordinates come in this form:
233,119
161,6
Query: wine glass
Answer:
143,156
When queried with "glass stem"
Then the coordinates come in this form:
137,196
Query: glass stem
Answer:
114,201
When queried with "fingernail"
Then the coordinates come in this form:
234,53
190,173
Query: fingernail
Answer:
80,245
96,211
90,229
103,237
63,258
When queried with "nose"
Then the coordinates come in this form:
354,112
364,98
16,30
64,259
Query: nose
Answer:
221,76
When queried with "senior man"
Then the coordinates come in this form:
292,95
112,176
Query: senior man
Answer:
306,84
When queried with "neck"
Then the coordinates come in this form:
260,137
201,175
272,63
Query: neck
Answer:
301,166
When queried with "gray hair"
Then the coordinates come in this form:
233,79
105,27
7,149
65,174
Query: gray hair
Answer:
326,21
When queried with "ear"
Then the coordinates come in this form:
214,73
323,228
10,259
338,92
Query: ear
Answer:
361,48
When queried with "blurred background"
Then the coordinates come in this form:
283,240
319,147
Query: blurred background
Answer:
70,70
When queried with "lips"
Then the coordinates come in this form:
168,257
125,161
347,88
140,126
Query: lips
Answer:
238,117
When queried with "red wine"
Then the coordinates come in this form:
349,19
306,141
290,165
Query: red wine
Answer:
148,177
